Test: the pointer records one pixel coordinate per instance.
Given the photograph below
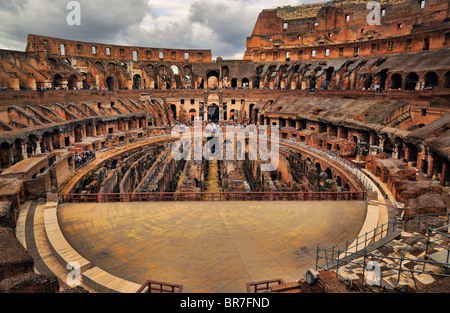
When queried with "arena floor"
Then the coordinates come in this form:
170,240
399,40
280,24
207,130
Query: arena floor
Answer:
208,247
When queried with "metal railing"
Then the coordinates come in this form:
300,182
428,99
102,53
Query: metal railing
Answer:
359,251
264,286
160,287
220,196
444,237
351,248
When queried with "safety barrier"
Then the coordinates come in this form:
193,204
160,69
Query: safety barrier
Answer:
220,196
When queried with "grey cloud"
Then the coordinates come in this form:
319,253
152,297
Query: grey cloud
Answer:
221,26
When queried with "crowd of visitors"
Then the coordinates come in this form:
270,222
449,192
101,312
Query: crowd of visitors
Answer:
83,158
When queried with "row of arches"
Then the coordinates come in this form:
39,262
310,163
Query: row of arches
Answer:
24,146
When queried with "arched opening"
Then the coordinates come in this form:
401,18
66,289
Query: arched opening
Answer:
251,117
52,62
411,81
328,75
329,173
213,80
234,82
87,84
5,155
192,114
431,80
213,113
368,82
110,83
57,81
245,83
396,81
137,82
318,168
175,70
201,84
382,77
173,107
338,181
72,82
46,144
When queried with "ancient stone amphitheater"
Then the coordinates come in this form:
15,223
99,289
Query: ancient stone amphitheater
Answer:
93,199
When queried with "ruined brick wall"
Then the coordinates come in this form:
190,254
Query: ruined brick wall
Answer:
340,29
52,46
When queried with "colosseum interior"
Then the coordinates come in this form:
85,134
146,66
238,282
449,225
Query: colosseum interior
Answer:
363,112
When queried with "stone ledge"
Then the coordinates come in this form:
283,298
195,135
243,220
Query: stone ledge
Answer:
61,249
105,282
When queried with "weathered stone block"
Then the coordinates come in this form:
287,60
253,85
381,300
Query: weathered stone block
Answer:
14,259
311,277
30,283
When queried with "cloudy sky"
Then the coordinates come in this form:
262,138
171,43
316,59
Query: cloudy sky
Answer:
219,25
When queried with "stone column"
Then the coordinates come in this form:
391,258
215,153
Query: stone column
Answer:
38,147
24,151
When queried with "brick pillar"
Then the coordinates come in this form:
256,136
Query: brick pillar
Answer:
445,173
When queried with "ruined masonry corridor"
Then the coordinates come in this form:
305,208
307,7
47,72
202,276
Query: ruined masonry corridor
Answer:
213,181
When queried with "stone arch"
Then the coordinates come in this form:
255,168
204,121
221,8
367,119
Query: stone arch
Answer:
396,81
87,82
381,79
192,114
234,83
329,173
32,145
245,83
213,79
411,81
110,83
201,83
431,80
46,143
173,107
53,62
57,81
137,82
318,168
367,81
72,82
175,70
